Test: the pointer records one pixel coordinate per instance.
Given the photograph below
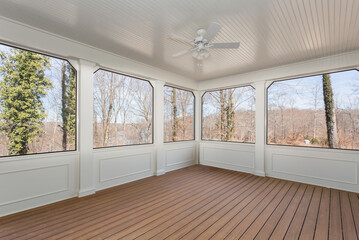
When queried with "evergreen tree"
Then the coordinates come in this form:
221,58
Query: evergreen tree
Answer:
22,86
175,117
330,112
230,115
68,104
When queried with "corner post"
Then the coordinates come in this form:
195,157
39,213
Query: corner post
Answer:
85,126
158,126
260,118
197,125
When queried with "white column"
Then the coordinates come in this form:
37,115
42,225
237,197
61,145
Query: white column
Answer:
85,127
158,126
197,125
259,168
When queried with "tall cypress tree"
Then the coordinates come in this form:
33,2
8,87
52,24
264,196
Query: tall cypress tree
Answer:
22,86
175,117
330,112
230,115
68,104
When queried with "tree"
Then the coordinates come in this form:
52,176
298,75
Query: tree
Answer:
174,113
68,104
330,112
229,115
22,86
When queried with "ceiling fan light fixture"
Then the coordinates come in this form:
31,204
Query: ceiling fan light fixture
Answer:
200,54
201,43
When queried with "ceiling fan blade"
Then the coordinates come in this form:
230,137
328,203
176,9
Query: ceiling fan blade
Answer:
179,38
212,31
182,52
224,45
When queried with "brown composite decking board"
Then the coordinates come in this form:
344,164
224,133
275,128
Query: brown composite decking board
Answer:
197,202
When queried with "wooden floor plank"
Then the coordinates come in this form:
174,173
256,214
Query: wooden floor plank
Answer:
284,223
310,221
197,202
270,202
259,223
166,230
191,231
321,230
229,222
354,203
195,208
349,231
298,219
86,228
335,219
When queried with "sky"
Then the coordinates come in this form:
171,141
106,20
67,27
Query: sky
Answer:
298,93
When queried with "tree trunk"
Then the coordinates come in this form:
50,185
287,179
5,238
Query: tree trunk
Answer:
175,119
223,115
64,111
330,112
230,116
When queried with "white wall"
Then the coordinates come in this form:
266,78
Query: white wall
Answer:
325,167
233,156
31,181
35,180
179,155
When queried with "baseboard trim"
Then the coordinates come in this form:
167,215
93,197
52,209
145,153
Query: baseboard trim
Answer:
259,173
160,172
86,192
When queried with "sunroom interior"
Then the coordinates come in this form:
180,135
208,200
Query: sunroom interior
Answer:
179,119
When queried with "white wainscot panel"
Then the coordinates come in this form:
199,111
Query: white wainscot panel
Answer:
123,164
179,155
233,156
30,181
325,167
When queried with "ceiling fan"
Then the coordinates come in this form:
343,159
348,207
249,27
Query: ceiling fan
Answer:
201,43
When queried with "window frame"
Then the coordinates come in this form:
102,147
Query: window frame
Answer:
153,107
294,78
76,97
194,115
212,140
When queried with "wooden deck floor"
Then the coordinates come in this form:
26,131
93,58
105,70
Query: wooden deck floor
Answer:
195,203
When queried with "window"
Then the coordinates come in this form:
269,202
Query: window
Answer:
316,111
229,115
178,114
123,107
37,103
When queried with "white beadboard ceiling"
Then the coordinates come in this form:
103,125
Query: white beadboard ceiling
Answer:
271,32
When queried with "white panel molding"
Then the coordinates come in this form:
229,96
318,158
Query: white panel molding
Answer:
351,165
43,194
180,154
234,156
118,159
330,168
